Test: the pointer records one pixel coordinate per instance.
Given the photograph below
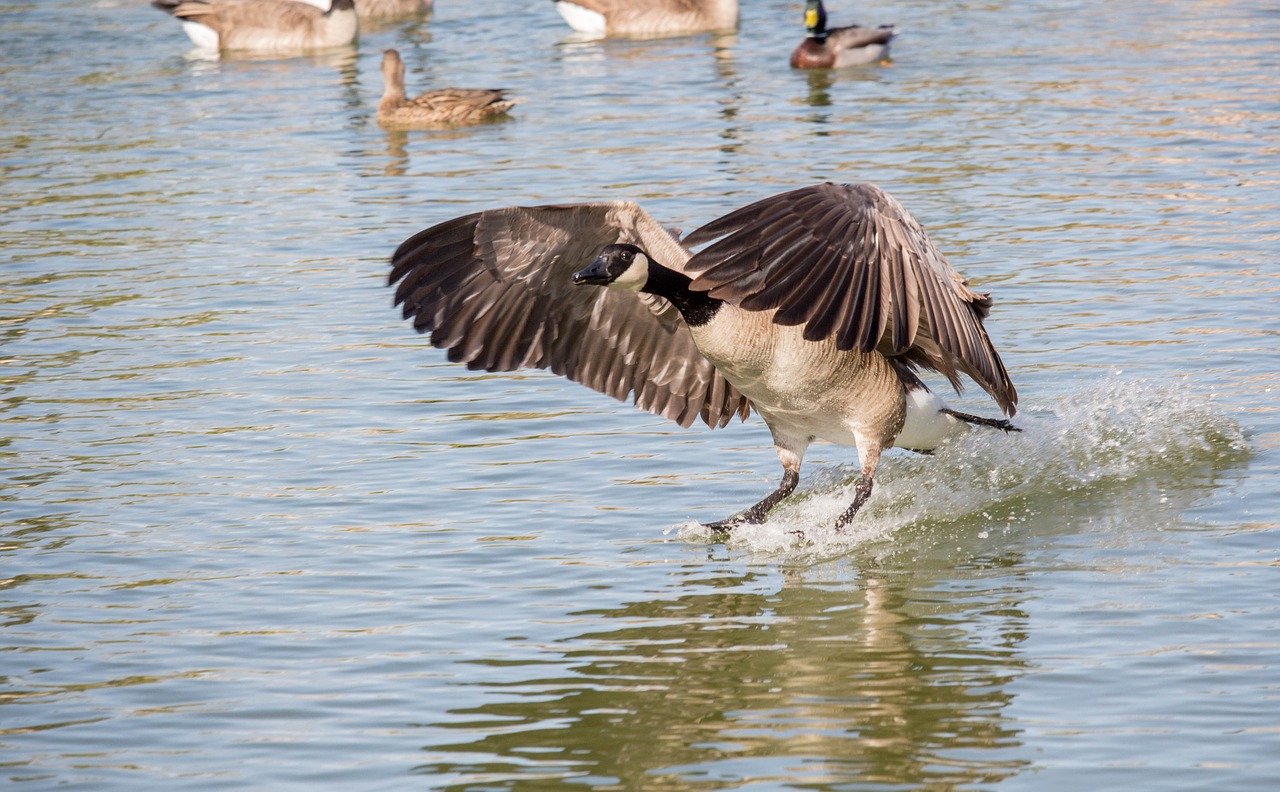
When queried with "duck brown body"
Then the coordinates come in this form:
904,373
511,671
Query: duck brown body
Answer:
440,107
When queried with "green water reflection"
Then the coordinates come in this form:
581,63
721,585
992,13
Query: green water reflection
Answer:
894,680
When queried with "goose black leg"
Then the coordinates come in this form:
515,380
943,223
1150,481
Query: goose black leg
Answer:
757,513
995,423
862,491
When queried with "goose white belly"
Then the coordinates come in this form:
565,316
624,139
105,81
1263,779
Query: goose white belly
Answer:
801,388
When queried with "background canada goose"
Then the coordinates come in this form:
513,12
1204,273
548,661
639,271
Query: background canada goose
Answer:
440,107
265,25
839,47
813,307
648,17
383,9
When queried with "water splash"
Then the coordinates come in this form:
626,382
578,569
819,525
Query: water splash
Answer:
1099,439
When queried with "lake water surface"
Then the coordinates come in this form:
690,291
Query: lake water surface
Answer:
257,534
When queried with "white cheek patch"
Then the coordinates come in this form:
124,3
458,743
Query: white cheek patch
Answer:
635,276
323,5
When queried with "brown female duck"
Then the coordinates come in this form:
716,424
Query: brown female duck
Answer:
441,107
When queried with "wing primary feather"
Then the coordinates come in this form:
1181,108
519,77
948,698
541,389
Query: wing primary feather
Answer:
804,301
791,281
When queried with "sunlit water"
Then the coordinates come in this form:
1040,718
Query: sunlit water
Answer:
257,534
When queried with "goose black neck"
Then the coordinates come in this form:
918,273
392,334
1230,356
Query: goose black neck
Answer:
696,307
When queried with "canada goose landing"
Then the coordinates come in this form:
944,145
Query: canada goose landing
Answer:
648,17
814,308
387,9
441,107
265,25
839,47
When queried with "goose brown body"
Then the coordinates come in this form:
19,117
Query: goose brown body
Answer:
265,25
440,107
386,9
641,18
813,308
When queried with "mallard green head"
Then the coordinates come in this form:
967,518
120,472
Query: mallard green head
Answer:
815,18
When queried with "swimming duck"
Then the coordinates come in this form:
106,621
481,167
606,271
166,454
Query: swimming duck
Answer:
641,18
265,25
386,9
814,308
839,47
441,107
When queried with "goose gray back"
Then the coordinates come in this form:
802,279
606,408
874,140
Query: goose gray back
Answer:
815,308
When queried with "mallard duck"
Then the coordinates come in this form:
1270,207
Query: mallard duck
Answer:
813,308
641,18
265,25
839,47
441,107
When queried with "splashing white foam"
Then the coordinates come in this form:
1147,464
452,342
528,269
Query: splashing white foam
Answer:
1093,439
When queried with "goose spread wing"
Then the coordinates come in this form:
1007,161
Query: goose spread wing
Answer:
849,262
495,289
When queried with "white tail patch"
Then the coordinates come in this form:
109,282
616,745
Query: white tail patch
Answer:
925,426
202,36
582,20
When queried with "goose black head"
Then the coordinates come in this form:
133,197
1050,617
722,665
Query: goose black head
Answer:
619,266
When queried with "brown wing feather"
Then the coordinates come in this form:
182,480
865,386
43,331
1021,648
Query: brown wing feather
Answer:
849,262
495,290
457,105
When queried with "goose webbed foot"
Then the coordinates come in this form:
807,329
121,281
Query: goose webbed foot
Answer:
758,513
1003,424
724,526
